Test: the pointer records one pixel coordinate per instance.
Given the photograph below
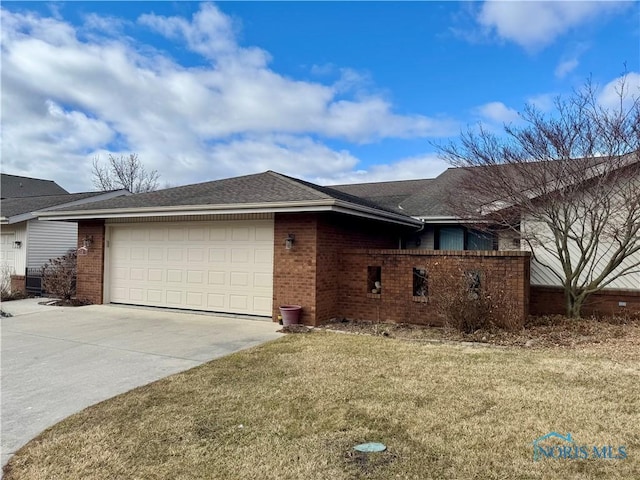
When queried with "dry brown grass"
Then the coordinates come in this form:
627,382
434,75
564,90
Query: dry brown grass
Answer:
293,409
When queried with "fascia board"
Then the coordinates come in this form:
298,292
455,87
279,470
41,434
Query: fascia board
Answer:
284,207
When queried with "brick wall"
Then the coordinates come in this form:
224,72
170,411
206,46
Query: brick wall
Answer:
506,271
294,280
337,233
18,283
550,300
91,266
308,274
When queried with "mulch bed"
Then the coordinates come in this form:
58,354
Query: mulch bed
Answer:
538,332
74,302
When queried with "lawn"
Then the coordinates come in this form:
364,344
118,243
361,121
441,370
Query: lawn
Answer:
294,408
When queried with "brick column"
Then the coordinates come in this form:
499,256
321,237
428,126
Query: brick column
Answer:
90,280
18,284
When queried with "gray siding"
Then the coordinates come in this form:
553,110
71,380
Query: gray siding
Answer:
49,240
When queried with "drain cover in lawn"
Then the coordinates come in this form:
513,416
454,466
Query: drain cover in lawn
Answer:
370,447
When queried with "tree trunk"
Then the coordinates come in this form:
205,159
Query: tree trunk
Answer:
573,304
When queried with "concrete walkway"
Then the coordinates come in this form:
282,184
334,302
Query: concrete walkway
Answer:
56,361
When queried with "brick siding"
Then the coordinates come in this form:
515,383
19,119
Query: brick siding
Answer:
308,274
89,285
18,283
506,271
550,301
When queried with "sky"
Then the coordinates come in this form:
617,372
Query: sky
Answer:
331,92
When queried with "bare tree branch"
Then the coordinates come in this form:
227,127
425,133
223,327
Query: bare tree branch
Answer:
124,172
567,183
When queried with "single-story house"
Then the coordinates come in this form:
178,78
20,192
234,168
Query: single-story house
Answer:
249,244
26,242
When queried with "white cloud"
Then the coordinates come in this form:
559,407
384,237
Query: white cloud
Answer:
609,96
423,166
535,25
543,101
565,67
68,96
497,112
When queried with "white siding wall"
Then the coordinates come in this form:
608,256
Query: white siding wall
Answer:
508,240
542,275
426,239
49,240
20,254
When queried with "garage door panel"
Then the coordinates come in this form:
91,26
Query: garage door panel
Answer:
239,255
238,302
216,278
196,234
137,273
174,276
175,254
217,255
176,234
233,260
239,279
262,303
139,235
215,301
195,255
195,277
155,296
156,254
155,275
157,234
262,280
194,299
174,297
240,234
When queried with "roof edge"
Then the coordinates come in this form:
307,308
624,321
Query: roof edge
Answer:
273,207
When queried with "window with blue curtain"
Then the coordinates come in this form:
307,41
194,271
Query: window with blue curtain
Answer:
451,238
479,240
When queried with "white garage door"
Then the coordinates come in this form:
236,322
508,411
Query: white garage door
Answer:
214,266
7,259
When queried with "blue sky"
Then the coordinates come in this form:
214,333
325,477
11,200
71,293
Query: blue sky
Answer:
333,92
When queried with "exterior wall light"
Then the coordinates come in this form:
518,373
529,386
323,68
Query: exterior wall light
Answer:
17,244
288,242
88,240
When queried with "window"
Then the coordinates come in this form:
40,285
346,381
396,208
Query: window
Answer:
420,284
479,240
451,238
374,280
462,238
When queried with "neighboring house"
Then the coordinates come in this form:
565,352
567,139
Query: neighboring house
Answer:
14,186
26,242
248,244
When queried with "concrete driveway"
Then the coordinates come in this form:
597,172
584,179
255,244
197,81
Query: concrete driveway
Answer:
55,361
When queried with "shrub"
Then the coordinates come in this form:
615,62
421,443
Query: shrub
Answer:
5,282
59,276
468,303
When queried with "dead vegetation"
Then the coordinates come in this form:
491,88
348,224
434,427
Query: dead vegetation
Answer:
555,331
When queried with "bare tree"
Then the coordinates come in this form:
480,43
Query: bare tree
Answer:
567,183
124,172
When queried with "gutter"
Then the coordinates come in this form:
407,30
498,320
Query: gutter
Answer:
275,207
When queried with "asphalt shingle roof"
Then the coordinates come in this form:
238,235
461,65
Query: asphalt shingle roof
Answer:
11,207
14,186
267,187
389,195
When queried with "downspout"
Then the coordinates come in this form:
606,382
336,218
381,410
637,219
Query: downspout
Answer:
420,229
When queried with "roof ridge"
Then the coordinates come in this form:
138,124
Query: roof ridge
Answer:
383,181
300,183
